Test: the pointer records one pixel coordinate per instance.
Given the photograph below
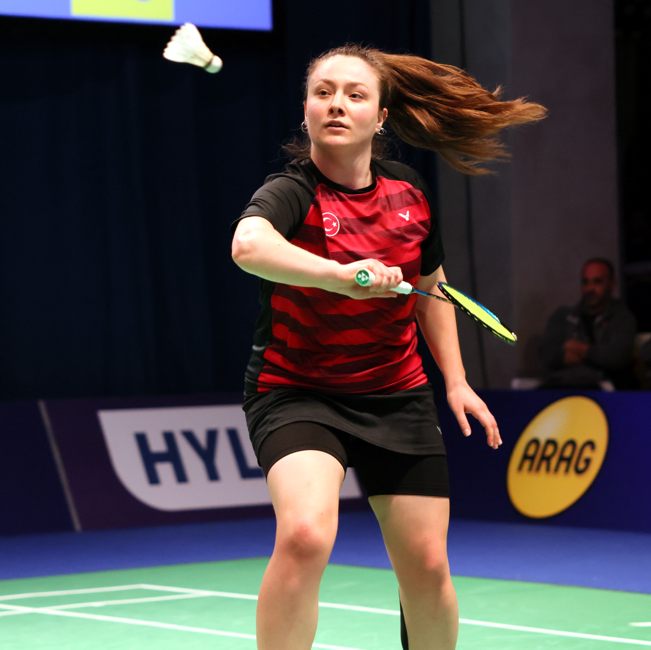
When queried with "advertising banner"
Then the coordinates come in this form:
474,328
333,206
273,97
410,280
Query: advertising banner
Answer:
238,14
567,458
575,459
33,498
138,462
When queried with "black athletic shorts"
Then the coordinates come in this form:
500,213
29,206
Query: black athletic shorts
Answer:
379,470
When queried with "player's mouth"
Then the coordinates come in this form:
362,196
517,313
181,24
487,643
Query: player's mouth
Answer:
335,125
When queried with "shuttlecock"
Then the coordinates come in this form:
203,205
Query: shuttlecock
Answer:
187,46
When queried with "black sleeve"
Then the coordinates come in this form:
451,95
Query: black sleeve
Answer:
432,247
284,200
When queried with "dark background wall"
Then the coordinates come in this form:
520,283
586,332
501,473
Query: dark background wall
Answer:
121,172
519,237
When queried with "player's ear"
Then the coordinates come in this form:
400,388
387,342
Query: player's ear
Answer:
382,117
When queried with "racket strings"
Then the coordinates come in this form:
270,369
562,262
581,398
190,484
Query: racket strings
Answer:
479,313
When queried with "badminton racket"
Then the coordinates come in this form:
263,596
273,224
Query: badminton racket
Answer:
187,46
465,303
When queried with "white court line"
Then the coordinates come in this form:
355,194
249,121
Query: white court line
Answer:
360,608
191,593
66,592
9,612
98,603
552,632
159,625
200,592
125,601
185,593
642,624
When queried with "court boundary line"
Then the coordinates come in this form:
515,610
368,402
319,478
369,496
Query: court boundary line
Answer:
20,609
64,592
186,592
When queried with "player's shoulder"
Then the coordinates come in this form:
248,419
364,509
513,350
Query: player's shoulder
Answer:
296,175
284,198
395,170
392,170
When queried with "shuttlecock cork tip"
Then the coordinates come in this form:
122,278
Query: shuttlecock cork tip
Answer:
187,46
215,65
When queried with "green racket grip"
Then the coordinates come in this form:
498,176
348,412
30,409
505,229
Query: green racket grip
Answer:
366,278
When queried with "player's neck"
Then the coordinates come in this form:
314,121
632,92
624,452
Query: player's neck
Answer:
352,171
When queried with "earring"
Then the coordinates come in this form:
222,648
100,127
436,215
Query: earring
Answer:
381,131
304,126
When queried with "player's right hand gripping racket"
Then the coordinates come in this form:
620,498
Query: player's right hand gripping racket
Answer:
471,307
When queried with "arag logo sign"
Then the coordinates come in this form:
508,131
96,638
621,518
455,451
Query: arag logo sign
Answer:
557,457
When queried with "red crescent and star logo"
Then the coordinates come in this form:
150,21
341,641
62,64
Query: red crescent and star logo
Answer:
331,224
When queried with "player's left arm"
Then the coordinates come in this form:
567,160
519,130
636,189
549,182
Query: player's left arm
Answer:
438,324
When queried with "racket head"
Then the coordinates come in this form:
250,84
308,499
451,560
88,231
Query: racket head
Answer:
478,312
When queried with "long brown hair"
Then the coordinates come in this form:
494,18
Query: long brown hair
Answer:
437,107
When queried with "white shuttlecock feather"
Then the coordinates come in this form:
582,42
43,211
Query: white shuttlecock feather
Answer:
187,46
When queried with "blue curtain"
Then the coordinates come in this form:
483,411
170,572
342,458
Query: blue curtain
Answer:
120,175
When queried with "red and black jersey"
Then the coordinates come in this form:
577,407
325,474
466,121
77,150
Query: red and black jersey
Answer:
315,339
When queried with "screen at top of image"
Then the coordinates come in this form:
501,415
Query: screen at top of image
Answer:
223,14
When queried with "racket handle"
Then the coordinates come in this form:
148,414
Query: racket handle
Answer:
366,278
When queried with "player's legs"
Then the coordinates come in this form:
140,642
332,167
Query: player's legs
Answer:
409,495
304,488
415,532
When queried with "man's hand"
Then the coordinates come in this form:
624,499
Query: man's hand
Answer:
574,352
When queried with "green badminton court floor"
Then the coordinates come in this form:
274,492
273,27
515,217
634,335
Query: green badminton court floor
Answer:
212,605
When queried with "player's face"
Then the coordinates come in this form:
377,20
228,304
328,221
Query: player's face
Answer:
342,107
596,286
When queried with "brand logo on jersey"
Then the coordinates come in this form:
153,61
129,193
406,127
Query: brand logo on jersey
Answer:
330,224
404,215
557,457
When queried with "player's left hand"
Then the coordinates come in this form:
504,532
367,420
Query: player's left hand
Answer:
463,400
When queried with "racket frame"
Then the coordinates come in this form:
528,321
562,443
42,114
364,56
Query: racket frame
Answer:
365,278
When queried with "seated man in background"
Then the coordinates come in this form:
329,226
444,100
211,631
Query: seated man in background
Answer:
592,342
645,365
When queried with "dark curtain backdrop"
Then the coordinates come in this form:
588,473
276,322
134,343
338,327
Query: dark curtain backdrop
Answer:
120,174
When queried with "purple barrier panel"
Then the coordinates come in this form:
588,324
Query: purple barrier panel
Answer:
32,494
571,458
159,460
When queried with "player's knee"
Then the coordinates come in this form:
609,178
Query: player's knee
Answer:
308,540
429,568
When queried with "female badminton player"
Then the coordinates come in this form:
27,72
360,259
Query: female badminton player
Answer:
334,379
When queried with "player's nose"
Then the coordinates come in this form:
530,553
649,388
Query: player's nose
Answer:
336,104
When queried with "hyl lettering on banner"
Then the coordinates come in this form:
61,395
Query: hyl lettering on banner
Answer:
188,458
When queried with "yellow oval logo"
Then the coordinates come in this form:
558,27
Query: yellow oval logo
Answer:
557,457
